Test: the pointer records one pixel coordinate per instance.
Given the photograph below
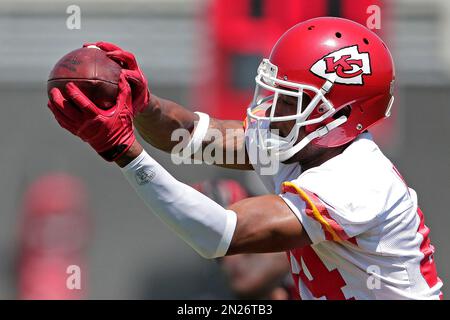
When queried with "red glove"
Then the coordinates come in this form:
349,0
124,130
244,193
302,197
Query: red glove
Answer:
109,132
132,72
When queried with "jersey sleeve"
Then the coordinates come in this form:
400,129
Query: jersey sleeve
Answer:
321,220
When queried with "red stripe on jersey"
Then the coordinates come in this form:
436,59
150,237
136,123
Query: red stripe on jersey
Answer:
353,240
427,265
326,215
327,221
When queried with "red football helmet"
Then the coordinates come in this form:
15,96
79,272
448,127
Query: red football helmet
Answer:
336,63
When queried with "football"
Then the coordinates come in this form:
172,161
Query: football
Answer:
92,71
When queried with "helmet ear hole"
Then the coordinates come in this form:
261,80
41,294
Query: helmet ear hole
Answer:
345,111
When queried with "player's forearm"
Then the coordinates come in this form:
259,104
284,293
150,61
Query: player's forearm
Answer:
160,119
223,140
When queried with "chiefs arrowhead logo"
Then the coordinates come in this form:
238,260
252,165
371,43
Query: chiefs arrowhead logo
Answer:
346,66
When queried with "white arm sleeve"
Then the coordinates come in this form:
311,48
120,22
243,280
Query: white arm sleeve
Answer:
205,225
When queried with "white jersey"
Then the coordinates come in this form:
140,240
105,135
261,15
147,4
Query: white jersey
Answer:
369,240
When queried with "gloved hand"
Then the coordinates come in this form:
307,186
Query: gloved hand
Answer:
109,132
132,72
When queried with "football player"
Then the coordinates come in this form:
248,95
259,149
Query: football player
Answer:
351,227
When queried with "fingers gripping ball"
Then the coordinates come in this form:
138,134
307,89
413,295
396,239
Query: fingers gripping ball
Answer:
92,71
109,132
131,70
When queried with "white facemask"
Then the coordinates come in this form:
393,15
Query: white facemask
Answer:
267,91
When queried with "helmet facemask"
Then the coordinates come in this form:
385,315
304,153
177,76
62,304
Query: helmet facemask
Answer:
267,92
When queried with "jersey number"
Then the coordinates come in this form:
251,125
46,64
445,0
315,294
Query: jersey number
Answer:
320,281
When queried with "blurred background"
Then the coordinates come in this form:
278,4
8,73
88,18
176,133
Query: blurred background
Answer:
61,205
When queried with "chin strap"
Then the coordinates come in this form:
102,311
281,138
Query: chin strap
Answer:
320,132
